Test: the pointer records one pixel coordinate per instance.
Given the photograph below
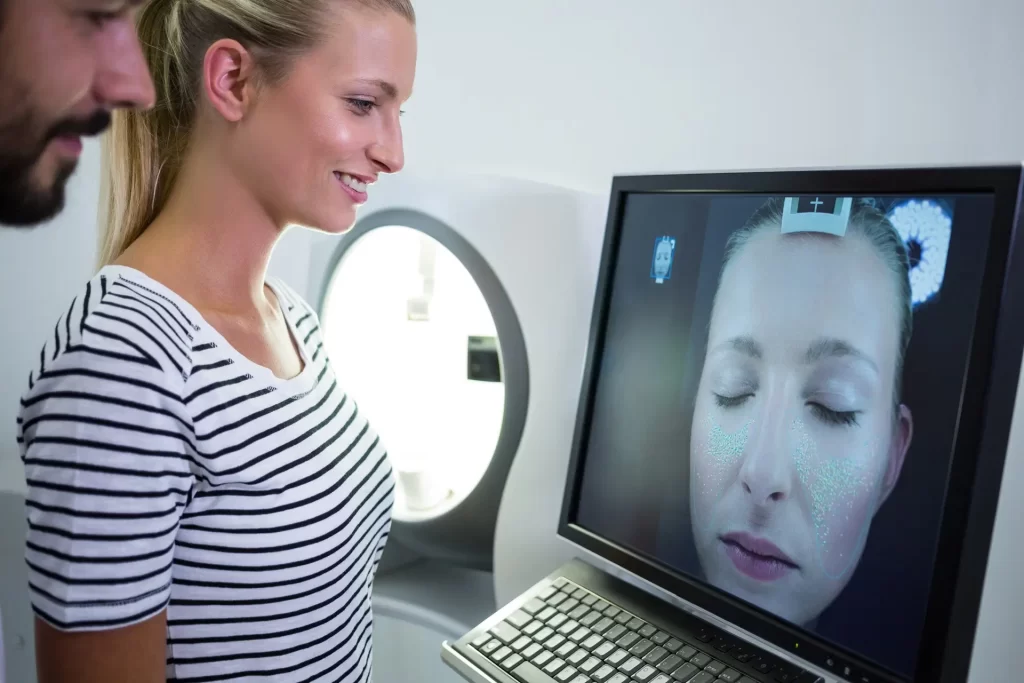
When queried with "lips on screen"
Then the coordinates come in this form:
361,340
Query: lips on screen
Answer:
769,415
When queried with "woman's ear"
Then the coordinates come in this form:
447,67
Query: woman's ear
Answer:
228,78
903,432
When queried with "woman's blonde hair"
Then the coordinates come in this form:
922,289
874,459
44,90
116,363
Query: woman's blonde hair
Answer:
144,149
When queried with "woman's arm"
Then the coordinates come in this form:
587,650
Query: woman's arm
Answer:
133,654
107,444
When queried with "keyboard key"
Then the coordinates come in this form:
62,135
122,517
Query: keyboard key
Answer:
481,640
501,654
512,662
685,672
702,677
617,657
627,640
589,600
686,652
531,651
601,626
715,667
618,678
669,664
532,627
630,665
543,634
580,678
543,658
564,624
705,636
763,666
569,605
530,674
580,593
655,655
661,678
565,650
554,666
580,612
645,674
602,606
521,644
547,593
635,624
560,582
592,641
723,645
747,679
546,614
673,645
730,676
782,676
533,606
577,657
557,599
566,674
659,638
700,660
590,617
647,630
641,648
519,618
603,674
506,633
621,617
591,665
554,642
557,620
491,646
603,649
580,635
615,632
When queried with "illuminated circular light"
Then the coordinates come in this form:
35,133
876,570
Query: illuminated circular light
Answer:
925,228
399,311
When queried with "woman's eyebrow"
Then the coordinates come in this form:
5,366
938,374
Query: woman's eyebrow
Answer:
831,347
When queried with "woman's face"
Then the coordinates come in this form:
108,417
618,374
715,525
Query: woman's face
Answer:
794,443
662,258
318,138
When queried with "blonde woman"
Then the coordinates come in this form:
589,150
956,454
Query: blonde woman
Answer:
205,502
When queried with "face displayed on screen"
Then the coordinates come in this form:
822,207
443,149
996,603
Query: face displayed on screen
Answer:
797,437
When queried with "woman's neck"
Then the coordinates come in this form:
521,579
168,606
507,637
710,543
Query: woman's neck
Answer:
211,243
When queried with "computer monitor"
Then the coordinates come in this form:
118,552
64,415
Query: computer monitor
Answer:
797,401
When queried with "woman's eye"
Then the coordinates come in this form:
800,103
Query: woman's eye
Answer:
362,107
844,418
100,19
731,401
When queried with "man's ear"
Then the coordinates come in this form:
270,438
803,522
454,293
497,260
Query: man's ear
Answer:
228,78
903,432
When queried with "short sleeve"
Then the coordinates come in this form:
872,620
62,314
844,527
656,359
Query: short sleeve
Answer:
106,443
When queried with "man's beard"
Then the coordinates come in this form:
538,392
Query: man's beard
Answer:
23,202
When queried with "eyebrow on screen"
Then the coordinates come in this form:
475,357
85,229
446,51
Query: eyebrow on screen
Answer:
826,347
830,347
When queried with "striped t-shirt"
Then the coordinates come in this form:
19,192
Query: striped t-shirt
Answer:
165,469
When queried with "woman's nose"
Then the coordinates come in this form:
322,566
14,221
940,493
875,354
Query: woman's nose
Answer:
767,471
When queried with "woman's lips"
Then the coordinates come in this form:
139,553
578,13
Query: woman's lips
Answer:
757,558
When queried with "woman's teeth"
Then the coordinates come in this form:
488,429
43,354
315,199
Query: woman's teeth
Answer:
351,182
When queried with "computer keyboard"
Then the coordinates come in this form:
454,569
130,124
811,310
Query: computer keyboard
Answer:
567,634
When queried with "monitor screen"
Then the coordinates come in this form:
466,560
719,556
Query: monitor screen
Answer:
776,400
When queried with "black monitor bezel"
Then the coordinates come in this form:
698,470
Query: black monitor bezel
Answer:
982,431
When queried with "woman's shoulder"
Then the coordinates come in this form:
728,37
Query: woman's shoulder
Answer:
120,326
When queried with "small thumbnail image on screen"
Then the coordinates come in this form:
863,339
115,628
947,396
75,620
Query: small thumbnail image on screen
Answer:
791,396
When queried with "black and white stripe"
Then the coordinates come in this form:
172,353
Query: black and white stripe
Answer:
166,470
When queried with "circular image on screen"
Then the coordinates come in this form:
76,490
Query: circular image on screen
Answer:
799,433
